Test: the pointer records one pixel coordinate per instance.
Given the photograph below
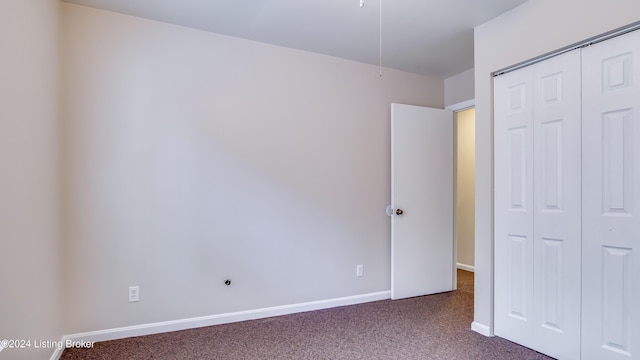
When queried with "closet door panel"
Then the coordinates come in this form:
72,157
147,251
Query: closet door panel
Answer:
611,196
513,151
537,206
557,204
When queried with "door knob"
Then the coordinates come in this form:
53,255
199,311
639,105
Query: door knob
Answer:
399,212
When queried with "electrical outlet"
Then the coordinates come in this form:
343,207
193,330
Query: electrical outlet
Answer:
359,270
134,293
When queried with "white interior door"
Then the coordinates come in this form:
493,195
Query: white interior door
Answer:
422,191
611,199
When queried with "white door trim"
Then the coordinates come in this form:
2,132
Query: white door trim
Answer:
462,105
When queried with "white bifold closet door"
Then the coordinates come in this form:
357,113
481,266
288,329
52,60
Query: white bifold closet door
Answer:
611,199
537,206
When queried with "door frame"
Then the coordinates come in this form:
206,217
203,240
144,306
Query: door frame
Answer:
456,108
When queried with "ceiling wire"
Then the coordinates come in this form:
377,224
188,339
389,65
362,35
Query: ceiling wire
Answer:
379,34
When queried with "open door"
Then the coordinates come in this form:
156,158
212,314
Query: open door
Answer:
421,200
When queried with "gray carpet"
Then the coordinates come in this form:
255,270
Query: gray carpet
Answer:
427,327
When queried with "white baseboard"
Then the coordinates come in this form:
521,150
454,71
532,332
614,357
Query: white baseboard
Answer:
465,267
56,354
481,329
192,323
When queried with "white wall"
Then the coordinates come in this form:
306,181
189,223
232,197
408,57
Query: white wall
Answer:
30,286
459,88
532,29
465,186
192,156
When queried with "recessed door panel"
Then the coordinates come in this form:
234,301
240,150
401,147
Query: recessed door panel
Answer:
551,88
517,277
617,72
616,299
551,167
552,285
617,147
518,168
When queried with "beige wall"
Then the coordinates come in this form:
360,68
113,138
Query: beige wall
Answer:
532,29
30,285
465,186
191,156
